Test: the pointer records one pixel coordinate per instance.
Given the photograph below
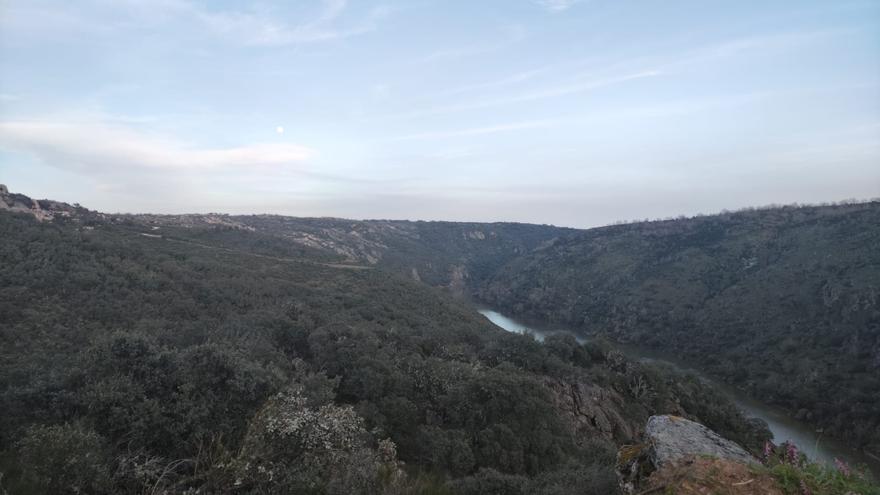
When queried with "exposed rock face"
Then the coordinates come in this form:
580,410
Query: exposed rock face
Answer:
592,410
670,442
41,210
458,279
675,438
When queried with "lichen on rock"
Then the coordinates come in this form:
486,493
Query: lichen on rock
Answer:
669,442
674,438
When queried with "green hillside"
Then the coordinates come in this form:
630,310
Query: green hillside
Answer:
782,302
218,359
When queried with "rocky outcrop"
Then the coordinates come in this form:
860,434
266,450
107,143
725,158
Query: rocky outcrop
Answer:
675,438
669,443
458,275
591,411
476,235
41,210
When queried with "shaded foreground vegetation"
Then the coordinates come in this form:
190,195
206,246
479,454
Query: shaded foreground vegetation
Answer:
140,364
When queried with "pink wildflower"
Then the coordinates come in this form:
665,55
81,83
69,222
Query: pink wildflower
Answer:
768,450
791,453
842,466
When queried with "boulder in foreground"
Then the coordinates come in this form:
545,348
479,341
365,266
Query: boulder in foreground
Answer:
675,446
674,439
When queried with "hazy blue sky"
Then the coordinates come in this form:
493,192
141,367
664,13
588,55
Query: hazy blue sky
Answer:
556,111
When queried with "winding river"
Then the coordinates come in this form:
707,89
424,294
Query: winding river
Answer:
783,427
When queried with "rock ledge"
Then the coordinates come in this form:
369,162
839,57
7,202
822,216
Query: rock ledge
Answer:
675,438
668,442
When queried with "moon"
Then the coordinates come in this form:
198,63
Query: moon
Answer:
279,130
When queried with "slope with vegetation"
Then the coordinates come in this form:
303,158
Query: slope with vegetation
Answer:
216,358
782,302
456,255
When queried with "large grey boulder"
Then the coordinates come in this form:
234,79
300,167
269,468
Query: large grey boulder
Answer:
674,438
670,440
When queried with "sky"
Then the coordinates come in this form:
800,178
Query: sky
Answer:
566,112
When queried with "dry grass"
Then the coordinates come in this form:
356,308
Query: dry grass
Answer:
709,476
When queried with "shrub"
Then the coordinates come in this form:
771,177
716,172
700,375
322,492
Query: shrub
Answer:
62,459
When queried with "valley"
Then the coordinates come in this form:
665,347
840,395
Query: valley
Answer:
214,351
781,425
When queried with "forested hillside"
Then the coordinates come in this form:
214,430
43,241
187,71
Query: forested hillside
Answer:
456,255
783,302
145,358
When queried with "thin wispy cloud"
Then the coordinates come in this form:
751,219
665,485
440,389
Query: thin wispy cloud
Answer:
262,29
557,5
761,45
190,95
524,97
577,87
253,26
510,35
511,80
100,147
476,131
627,70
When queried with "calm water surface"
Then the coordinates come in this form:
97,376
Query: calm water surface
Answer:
783,427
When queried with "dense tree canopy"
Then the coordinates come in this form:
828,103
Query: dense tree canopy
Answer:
782,302
224,362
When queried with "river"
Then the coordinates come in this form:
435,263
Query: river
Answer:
783,427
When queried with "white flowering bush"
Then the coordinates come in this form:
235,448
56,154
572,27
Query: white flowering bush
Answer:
296,446
330,428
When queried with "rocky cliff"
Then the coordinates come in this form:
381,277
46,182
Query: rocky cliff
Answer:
42,210
681,456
